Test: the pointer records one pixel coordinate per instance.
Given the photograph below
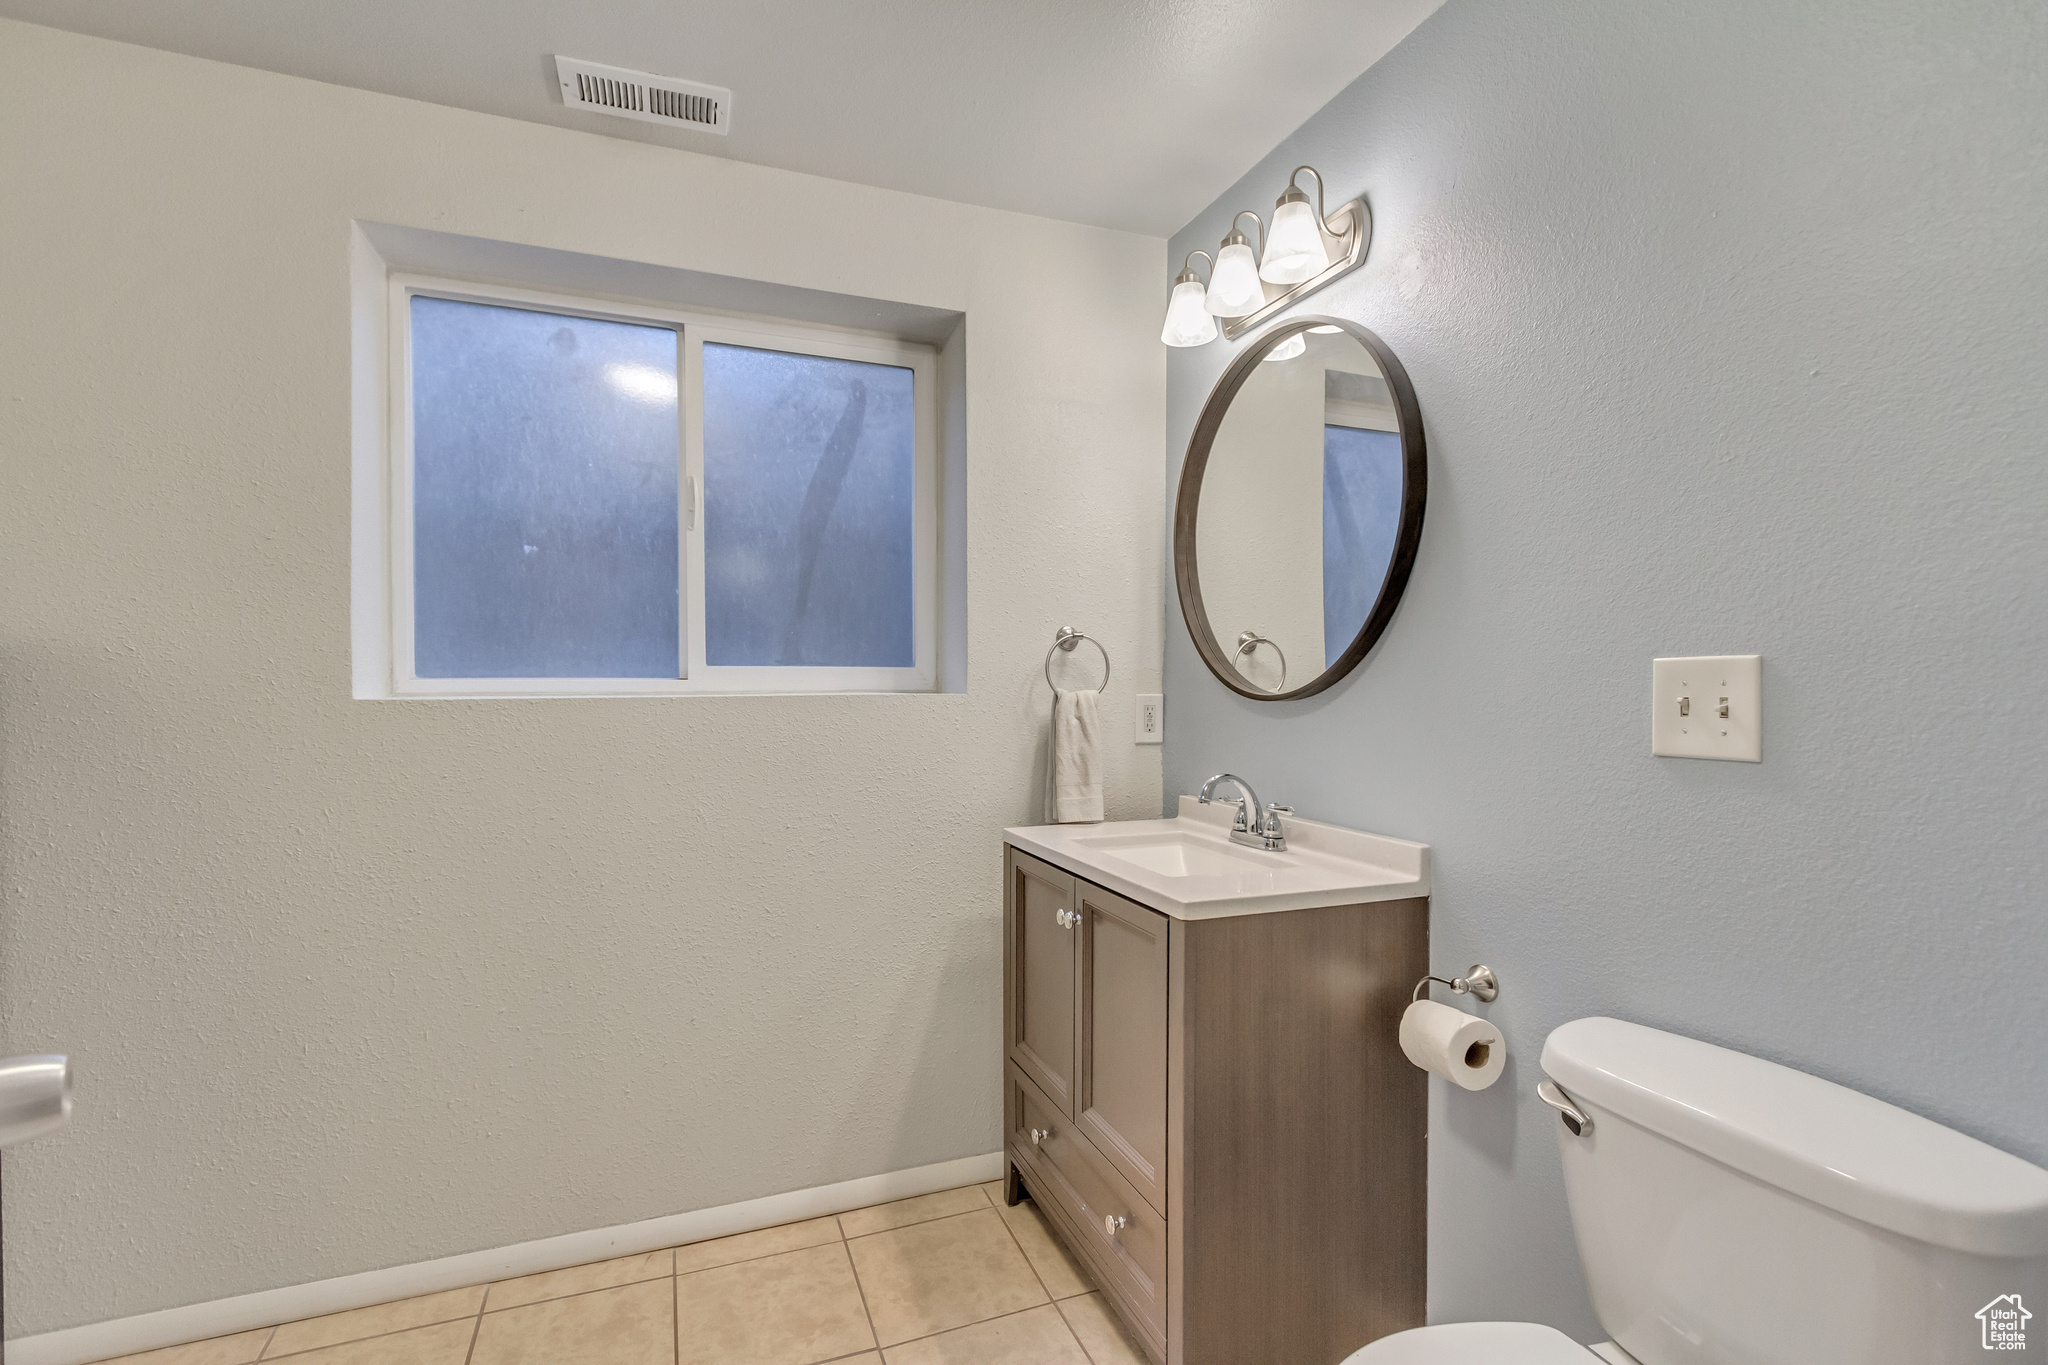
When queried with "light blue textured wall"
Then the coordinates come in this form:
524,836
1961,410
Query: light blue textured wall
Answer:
1727,323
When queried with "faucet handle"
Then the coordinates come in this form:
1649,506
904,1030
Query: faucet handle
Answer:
1243,819
1273,814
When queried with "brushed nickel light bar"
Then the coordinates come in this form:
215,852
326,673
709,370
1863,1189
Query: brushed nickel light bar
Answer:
1304,250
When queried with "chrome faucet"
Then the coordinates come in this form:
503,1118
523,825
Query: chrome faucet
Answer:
1256,826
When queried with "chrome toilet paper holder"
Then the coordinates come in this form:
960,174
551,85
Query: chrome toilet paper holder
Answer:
1479,982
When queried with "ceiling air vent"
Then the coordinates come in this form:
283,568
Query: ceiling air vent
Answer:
637,95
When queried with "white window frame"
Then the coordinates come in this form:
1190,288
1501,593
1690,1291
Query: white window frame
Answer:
693,329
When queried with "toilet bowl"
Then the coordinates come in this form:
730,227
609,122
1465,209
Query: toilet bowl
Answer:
1486,1343
1730,1211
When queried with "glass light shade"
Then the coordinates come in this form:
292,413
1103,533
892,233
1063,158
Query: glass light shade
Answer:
1294,246
1289,348
1187,322
1234,284
1326,331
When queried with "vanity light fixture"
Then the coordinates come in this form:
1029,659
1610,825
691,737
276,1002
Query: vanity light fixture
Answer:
1234,283
1294,251
1303,250
1188,323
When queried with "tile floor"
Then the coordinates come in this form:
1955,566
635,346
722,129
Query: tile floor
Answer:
952,1278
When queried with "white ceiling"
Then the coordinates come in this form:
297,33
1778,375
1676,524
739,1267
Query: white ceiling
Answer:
1131,114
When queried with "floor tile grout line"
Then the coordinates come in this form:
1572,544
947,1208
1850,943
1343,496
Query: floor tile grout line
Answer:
861,1290
351,1341
918,1224
1018,1243
982,1322
679,1274
923,1222
1050,1297
478,1331
627,1284
1055,1300
1086,1354
749,1260
674,1274
671,1272
580,1293
675,1312
1050,1301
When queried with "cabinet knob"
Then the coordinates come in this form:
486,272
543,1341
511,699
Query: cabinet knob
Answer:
1113,1223
1065,918
1039,1135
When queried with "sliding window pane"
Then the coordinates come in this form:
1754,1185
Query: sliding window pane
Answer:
544,495
809,467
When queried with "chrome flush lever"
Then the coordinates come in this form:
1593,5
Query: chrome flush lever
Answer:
1567,1108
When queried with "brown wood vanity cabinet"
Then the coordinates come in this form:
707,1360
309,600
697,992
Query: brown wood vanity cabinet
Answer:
1215,1114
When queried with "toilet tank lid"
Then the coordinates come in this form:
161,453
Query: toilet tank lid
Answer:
1825,1142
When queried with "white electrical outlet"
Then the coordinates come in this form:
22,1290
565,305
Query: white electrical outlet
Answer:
1708,707
1151,718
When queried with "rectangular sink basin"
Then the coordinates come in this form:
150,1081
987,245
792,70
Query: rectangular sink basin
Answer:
1177,855
1189,868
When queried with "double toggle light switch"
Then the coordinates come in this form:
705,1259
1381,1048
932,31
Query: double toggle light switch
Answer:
1708,707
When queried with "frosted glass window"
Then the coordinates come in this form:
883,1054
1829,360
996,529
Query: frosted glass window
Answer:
1361,515
544,463
809,474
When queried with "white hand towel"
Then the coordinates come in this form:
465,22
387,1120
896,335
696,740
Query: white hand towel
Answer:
1076,770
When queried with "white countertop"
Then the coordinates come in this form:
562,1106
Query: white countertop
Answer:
1188,868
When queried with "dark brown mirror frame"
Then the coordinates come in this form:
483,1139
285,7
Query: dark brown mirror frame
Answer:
1414,487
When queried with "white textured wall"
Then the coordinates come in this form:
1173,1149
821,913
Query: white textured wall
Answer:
1260,523
1726,321
355,983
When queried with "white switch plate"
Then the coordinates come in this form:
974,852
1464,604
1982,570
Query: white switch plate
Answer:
1688,696
1151,718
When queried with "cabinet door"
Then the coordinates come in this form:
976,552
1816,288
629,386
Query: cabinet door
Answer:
1121,1100
1042,956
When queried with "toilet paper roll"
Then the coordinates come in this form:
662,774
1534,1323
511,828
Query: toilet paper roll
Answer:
1462,1048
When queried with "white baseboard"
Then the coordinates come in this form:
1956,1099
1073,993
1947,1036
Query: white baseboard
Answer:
197,1321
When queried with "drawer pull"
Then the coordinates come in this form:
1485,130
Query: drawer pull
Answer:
1113,1223
1039,1135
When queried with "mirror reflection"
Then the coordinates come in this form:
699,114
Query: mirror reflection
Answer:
1300,509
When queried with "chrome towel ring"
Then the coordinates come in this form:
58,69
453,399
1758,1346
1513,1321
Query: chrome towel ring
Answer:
1066,640
1250,641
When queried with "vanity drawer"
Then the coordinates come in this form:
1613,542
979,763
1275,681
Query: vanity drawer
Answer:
1077,1188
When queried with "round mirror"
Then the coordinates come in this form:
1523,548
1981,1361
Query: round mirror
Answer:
1300,508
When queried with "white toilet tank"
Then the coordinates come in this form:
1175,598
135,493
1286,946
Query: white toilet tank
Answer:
1731,1211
